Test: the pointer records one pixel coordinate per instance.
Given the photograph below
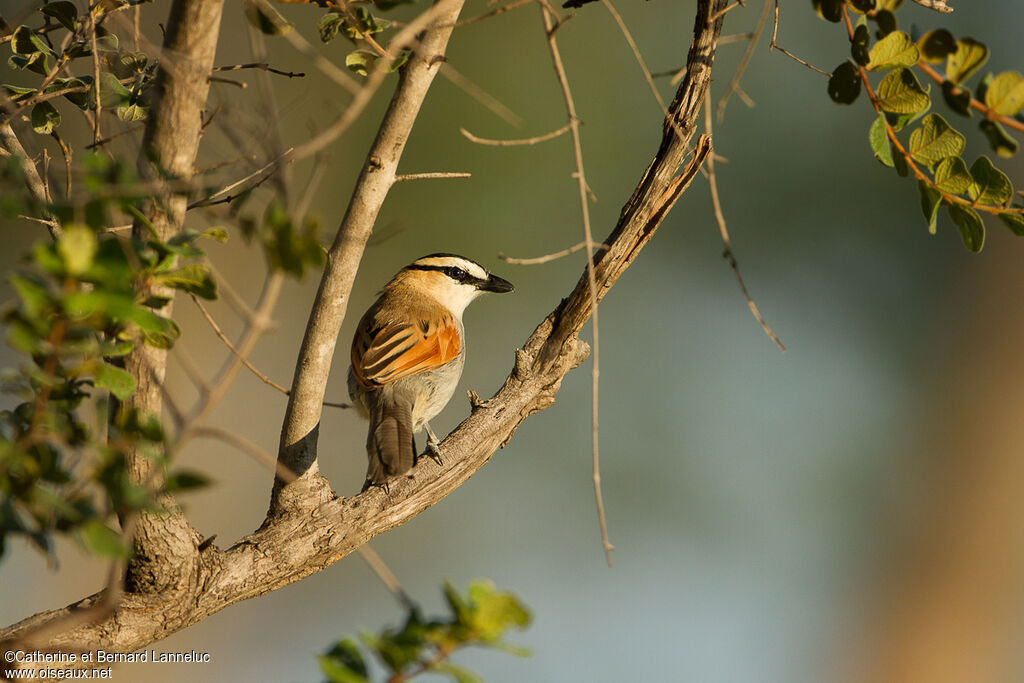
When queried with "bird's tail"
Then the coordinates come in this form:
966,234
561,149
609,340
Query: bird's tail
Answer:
390,444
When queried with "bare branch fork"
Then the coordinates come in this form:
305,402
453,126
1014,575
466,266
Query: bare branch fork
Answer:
308,527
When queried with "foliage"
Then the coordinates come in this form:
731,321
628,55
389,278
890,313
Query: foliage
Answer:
481,617
88,299
933,150
84,302
125,78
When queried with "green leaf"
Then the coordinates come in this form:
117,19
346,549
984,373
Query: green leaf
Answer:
895,50
901,93
859,44
217,234
494,611
829,10
957,98
931,200
844,85
45,118
360,61
934,141
112,92
972,230
888,5
886,21
951,176
18,93
77,247
862,6
330,24
338,672
63,11
1014,221
970,56
34,294
184,480
133,112
26,42
936,45
991,187
194,279
265,18
1005,94
157,331
117,381
1000,141
103,540
879,139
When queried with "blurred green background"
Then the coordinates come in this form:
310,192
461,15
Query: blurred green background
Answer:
764,506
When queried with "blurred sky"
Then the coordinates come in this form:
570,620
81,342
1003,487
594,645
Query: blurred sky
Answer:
756,499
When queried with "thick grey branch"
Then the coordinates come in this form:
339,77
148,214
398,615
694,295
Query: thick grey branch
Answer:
302,417
317,528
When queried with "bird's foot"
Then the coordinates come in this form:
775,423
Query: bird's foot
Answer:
433,446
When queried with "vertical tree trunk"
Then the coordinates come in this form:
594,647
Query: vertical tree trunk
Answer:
169,149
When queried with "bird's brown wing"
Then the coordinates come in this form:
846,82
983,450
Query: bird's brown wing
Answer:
390,352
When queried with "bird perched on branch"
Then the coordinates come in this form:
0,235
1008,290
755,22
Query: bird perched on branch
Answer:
407,356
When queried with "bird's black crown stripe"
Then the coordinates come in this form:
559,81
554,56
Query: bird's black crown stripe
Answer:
454,272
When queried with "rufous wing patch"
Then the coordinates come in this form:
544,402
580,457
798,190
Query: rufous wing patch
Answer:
402,349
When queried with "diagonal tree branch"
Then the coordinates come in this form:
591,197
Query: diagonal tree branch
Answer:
324,528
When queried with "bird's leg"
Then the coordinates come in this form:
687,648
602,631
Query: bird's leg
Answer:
433,445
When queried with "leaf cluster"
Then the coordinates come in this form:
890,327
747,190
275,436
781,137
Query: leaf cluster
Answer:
481,617
933,152
125,76
84,302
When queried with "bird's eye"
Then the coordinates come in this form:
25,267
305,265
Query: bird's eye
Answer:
457,274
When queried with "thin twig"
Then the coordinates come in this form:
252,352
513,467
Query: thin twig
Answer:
1009,121
190,368
480,95
550,18
775,46
404,38
231,347
9,141
385,575
317,175
724,232
247,447
494,12
115,136
521,141
96,77
259,65
245,361
728,8
734,83
548,257
636,53
431,176
228,81
325,66
269,168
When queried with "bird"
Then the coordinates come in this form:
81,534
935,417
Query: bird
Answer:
407,356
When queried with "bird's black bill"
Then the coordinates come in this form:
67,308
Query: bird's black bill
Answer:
496,284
